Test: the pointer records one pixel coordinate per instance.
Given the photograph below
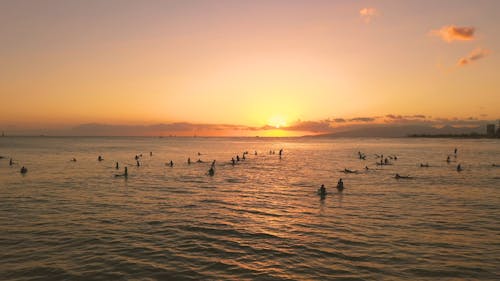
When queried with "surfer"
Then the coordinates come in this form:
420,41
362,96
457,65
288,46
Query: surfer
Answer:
322,191
401,177
340,185
348,171
125,173
99,158
24,170
211,171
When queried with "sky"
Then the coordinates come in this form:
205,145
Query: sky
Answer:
282,67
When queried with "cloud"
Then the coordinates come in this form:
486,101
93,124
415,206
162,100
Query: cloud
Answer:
391,118
311,126
412,124
474,55
455,33
367,14
363,119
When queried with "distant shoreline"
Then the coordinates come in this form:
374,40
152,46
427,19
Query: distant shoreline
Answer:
459,136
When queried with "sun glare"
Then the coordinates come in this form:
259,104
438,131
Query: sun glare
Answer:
277,121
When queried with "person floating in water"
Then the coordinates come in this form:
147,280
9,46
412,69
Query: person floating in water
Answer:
255,153
211,171
348,171
322,191
125,173
459,168
340,185
24,170
397,176
366,168
73,159
99,158
199,161
426,165
361,155
448,160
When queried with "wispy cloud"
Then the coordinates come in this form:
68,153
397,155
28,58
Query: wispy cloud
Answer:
451,33
363,119
474,55
311,126
368,14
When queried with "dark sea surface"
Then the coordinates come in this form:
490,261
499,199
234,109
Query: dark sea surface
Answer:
258,220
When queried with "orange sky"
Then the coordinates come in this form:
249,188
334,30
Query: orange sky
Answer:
251,63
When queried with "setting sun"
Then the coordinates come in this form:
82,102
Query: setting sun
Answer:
277,121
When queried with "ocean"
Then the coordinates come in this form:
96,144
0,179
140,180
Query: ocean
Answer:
260,219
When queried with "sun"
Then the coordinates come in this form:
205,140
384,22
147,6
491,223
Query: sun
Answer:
277,121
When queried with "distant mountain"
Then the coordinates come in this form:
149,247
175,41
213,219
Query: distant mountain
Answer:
402,131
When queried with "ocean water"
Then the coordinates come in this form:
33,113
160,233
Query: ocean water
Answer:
258,220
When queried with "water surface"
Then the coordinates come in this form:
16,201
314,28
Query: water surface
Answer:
258,220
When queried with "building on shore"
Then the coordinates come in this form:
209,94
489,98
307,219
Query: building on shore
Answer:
490,129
